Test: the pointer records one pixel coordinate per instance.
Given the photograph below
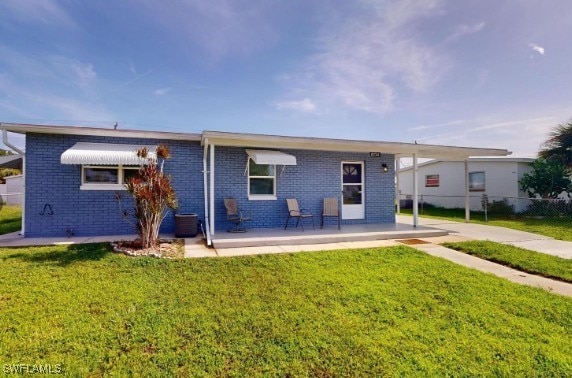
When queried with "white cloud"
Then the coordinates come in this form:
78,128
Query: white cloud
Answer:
49,12
305,106
220,27
80,74
162,91
365,58
463,30
521,136
537,48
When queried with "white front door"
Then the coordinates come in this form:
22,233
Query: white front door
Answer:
353,203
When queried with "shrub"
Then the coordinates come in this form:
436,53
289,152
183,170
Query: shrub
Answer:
502,207
5,172
152,194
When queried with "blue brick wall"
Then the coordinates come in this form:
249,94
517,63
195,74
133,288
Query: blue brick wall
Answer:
316,175
96,212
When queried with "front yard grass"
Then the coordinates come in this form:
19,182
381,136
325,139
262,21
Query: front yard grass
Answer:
369,312
557,228
518,258
10,219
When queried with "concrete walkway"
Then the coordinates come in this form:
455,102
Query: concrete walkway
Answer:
527,240
510,274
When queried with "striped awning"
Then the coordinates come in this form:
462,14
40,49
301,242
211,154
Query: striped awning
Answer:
105,154
271,157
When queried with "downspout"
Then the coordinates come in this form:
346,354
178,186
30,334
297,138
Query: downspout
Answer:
8,144
415,192
467,203
205,189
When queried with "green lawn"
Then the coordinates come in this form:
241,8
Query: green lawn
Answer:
557,228
10,219
370,312
518,258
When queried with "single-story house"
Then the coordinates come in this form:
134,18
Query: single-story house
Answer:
442,183
11,190
72,173
11,161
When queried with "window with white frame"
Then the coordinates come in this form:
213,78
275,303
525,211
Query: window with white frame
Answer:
106,177
431,181
476,181
261,181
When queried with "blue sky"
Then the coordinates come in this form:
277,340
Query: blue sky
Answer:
474,72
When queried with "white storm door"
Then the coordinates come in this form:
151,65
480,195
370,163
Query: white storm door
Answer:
353,203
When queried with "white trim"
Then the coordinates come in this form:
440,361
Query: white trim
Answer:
206,193
362,184
467,203
8,144
212,189
268,157
325,144
106,154
120,185
415,191
397,187
23,128
261,197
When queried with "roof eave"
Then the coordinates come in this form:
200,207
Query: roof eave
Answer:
94,131
321,144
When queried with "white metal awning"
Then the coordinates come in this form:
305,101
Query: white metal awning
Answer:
271,157
105,154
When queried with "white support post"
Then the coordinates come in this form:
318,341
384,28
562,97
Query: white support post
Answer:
23,196
212,191
467,202
205,192
397,189
415,192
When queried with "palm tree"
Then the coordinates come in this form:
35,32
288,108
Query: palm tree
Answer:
559,145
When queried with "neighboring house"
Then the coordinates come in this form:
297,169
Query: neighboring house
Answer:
73,173
442,183
11,161
11,191
12,194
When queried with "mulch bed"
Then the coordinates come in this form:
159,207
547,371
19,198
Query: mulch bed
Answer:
168,248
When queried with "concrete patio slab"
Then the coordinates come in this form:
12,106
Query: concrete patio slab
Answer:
348,233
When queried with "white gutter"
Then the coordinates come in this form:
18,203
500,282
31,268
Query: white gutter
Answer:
205,189
8,144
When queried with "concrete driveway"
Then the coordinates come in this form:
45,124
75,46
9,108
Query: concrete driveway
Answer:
527,240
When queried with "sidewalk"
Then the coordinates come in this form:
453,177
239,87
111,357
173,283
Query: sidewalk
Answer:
526,240
498,270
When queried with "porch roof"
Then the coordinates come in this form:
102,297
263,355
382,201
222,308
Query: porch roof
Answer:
325,144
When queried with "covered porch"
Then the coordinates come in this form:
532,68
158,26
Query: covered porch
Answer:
296,236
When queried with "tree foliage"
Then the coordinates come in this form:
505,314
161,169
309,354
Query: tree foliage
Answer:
548,179
5,152
153,195
5,172
559,145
